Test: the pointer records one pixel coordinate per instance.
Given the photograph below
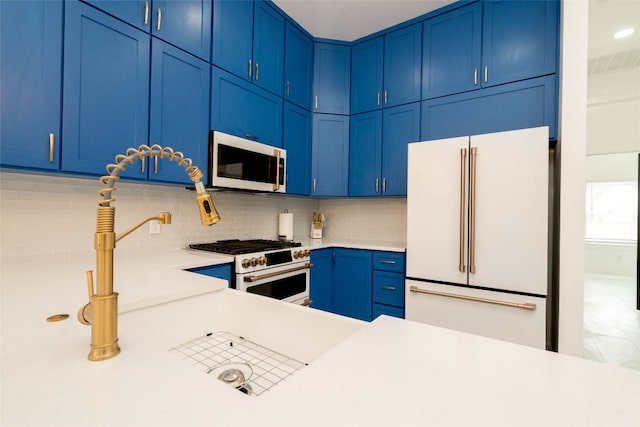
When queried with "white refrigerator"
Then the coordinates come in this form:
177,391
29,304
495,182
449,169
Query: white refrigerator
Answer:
478,233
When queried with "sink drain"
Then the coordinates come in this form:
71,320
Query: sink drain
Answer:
234,374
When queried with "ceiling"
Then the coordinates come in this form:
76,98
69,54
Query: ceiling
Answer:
350,20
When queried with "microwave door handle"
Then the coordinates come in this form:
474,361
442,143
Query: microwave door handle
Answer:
276,186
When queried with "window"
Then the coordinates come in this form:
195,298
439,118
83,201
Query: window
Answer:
611,212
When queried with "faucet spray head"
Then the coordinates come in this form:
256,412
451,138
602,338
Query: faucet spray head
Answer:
208,213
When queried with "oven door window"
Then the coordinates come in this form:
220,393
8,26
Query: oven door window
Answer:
281,288
246,165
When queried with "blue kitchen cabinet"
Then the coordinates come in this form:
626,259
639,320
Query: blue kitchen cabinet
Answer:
221,271
402,66
365,159
179,113
105,90
386,70
353,283
330,155
240,108
400,126
248,41
185,24
524,104
31,83
331,78
296,140
366,75
451,52
321,279
378,150
298,66
388,283
489,43
519,40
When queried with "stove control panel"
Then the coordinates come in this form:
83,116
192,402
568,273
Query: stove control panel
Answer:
257,261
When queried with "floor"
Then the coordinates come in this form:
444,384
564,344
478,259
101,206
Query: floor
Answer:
611,321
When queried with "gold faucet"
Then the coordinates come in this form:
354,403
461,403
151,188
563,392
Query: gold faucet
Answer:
102,310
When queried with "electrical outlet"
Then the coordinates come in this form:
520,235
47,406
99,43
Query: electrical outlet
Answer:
154,227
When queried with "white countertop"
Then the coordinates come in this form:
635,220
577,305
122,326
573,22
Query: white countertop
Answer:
353,244
390,372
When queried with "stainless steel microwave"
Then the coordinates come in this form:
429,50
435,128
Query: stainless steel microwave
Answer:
241,163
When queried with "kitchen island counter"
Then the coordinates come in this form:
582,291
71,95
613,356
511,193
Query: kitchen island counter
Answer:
388,372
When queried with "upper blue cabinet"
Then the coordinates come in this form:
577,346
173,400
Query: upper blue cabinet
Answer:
386,70
298,67
331,78
31,80
248,41
185,24
487,44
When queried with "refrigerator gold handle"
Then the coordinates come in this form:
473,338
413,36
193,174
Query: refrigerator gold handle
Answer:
463,177
521,305
472,212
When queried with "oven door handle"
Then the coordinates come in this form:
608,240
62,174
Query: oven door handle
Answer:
277,273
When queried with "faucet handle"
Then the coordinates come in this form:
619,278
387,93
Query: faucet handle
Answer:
90,284
85,314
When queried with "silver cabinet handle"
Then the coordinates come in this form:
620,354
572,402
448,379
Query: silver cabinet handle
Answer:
377,180
314,185
251,136
257,72
386,96
316,102
142,163
384,185
475,76
288,88
523,306
472,213
463,177
388,288
250,67
146,13
159,19
388,261
486,73
51,146
155,164
378,98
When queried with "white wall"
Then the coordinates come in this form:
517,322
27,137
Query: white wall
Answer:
572,136
54,217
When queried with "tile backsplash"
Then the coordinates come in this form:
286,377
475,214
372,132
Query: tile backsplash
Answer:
54,216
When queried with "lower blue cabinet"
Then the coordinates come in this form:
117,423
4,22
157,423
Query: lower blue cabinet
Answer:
221,271
358,283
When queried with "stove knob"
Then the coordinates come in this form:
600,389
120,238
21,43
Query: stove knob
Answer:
254,262
245,263
305,253
296,254
262,260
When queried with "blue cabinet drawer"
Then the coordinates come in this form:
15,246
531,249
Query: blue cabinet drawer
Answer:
389,261
388,288
379,309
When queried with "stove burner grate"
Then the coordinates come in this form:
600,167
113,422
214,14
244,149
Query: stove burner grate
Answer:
237,247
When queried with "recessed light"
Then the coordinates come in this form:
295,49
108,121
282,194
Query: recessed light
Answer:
623,33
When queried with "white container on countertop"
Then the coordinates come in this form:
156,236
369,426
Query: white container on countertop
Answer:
285,226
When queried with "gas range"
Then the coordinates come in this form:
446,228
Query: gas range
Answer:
271,268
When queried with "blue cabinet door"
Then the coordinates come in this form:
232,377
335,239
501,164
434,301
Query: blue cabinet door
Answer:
400,126
353,283
366,75
298,67
519,40
331,78
240,108
389,310
402,65
365,152
525,104
31,83
179,110
221,271
296,140
330,155
321,279
105,90
268,48
186,24
451,52
232,36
